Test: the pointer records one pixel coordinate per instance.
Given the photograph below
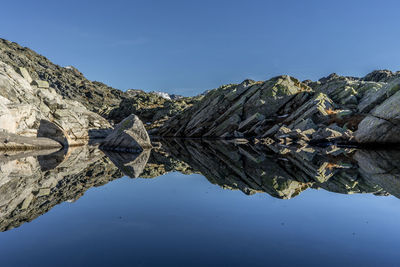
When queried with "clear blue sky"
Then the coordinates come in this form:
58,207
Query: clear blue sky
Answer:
186,47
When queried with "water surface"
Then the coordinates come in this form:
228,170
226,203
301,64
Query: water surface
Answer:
200,204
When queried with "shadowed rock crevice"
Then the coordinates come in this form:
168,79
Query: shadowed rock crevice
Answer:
50,130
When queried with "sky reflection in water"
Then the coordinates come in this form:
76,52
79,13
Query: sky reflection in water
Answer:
180,220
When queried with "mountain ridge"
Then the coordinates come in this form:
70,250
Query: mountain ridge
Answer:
330,109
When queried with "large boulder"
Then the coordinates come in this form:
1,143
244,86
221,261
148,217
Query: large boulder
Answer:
129,135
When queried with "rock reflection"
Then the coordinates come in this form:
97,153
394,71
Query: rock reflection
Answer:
131,164
29,188
381,168
284,172
31,183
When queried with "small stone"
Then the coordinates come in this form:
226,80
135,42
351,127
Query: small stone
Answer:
43,192
27,201
40,84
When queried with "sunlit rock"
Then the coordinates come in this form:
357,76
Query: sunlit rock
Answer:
129,135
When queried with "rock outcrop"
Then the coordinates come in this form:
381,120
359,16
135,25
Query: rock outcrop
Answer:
330,110
30,111
68,81
223,111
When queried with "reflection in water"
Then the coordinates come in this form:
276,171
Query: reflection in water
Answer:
31,183
29,188
284,172
130,164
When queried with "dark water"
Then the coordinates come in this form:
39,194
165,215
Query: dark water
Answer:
200,204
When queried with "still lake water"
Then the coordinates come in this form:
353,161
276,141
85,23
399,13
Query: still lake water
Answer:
184,220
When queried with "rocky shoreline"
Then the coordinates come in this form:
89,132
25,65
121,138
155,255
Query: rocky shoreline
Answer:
43,105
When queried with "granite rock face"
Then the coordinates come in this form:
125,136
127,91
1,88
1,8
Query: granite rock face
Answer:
29,111
68,81
382,125
223,111
71,84
254,109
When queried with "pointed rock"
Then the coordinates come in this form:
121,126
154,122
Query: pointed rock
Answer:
129,136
